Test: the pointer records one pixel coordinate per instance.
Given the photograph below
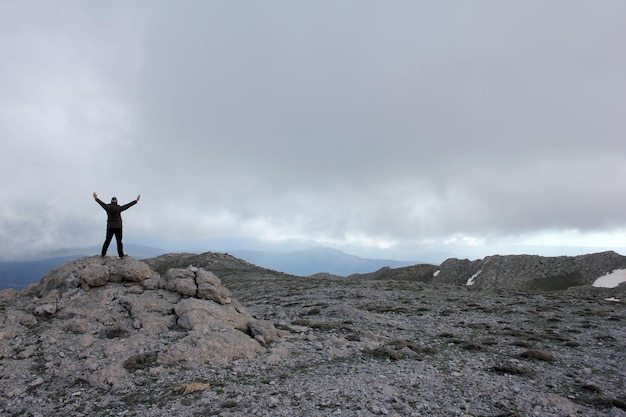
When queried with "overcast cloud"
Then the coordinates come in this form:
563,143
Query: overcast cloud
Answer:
360,125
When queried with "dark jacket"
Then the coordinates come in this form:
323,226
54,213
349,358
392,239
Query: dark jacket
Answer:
114,213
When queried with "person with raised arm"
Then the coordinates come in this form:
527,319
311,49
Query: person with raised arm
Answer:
114,223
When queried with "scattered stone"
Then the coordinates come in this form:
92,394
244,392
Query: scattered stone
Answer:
619,403
192,387
472,346
592,387
46,310
230,403
36,382
28,320
265,330
539,355
140,361
510,368
273,402
26,353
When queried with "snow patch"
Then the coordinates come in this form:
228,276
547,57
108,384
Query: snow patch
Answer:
472,279
437,272
613,299
611,280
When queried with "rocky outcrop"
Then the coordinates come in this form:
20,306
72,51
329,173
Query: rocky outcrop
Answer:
104,318
420,272
218,263
93,272
517,272
529,272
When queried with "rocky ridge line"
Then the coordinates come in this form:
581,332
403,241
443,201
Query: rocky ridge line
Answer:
522,272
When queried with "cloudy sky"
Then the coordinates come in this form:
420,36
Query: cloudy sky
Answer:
379,128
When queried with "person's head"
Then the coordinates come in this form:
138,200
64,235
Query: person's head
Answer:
114,200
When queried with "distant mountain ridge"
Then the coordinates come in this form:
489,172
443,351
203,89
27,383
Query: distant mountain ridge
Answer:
304,262
532,272
312,261
519,272
17,275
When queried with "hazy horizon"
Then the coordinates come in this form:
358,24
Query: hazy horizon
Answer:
432,255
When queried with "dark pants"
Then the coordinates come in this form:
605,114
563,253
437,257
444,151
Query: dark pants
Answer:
118,237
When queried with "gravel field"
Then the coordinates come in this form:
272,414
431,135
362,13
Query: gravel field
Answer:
366,347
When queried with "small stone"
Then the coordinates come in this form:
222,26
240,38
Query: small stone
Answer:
265,330
46,310
191,388
28,320
510,368
273,402
86,341
36,382
592,387
15,392
504,404
156,371
540,355
26,353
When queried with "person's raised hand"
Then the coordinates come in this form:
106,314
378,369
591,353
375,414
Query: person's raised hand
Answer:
95,195
138,197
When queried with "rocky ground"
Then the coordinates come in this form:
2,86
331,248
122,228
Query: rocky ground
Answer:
359,347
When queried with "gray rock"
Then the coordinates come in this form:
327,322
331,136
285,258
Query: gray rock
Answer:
129,270
94,275
8,295
28,320
206,277
219,294
181,281
94,272
197,314
264,330
197,282
46,310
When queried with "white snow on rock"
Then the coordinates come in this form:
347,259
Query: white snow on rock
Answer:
472,279
611,280
437,272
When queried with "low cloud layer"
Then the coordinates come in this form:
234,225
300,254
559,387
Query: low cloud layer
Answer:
368,124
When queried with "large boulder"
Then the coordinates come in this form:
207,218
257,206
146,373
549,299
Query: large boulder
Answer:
94,271
199,314
197,282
